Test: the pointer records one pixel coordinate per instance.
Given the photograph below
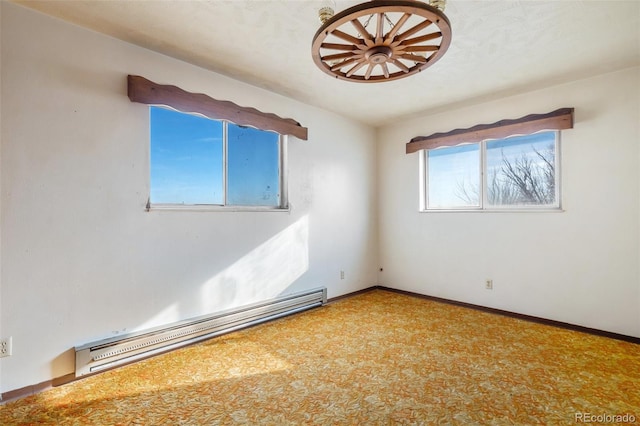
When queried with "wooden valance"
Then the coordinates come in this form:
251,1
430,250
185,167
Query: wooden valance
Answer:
147,92
559,119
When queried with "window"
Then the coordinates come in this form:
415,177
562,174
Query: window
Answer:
509,173
204,159
485,168
197,161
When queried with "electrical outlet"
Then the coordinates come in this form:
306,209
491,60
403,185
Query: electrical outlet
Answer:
5,347
342,275
488,284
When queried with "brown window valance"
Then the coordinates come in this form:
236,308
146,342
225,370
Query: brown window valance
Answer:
559,119
147,92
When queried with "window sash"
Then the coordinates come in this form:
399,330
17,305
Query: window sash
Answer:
524,206
246,178
430,204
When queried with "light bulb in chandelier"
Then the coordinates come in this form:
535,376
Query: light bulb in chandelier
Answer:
326,11
438,4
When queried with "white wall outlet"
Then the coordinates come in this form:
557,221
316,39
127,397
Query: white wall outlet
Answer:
488,284
342,275
5,347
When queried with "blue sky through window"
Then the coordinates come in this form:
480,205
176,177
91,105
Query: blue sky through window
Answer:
253,167
188,157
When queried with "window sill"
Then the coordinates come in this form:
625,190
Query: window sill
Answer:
214,208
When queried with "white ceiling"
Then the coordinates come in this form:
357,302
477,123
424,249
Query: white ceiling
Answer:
499,47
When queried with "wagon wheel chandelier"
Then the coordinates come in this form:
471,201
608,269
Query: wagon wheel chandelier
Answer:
386,39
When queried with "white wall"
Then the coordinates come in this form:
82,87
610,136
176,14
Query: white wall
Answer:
579,266
82,260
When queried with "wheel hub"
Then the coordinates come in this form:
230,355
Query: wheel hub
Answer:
378,54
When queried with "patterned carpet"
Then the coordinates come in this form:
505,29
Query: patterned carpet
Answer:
379,358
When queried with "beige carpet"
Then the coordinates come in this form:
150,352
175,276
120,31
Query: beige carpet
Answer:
379,358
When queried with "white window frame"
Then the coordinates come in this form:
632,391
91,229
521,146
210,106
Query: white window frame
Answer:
483,201
283,205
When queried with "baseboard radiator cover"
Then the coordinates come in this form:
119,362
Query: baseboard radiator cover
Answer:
108,353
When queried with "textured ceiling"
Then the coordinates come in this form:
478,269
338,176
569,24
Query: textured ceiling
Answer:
499,47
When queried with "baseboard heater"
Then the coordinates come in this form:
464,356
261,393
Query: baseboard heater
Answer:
112,352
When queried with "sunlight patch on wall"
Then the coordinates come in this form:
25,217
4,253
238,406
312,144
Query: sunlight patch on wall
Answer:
263,273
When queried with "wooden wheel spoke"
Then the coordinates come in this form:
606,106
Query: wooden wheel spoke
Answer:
400,65
425,48
355,68
367,74
379,28
344,64
430,56
414,58
392,33
411,31
347,37
385,70
337,46
337,56
368,38
421,39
